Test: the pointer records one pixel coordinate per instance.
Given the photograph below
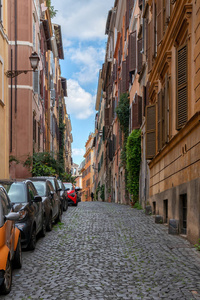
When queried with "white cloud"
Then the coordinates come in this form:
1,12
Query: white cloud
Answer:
83,19
78,151
89,61
79,102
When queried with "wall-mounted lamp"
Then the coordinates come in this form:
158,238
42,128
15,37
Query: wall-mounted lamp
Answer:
34,60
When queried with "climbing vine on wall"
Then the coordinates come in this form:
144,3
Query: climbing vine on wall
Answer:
133,159
122,111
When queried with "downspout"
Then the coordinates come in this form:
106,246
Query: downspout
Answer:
16,55
11,101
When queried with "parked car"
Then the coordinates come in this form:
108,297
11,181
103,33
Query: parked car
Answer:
63,195
50,200
78,193
71,193
28,203
10,242
56,187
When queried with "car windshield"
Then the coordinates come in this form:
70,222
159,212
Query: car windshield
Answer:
17,193
53,183
40,187
68,186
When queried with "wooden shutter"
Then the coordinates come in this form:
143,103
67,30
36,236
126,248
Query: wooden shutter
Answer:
166,93
107,116
143,100
124,76
147,38
132,54
182,89
137,113
139,60
149,51
127,73
167,12
127,13
150,131
159,21
159,136
147,92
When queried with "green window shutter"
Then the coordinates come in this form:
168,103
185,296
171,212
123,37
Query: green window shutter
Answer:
182,89
150,131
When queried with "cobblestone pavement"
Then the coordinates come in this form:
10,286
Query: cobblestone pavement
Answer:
108,251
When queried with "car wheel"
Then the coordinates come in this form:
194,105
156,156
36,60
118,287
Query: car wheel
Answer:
49,225
64,205
18,255
6,285
59,217
43,231
32,243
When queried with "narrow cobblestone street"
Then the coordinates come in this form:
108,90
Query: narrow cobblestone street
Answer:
108,251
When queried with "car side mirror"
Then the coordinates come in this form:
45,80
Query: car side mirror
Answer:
37,199
67,189
51,193
12,216
77,189
59,190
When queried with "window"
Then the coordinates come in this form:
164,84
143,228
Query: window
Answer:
183,213
150,131
182,88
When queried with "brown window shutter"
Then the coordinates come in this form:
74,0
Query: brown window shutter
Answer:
139,46
137,113
106,116
143,100
127,13
163,118
147,92
182,89
127,73
124,77
120,58
110,115
150,45
150,131
167,12
147,38
159,21
132,54
159,120
166,93
153,31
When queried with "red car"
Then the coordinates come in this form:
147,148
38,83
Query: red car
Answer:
71,193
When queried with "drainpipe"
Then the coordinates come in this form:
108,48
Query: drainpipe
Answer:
11,100
15,55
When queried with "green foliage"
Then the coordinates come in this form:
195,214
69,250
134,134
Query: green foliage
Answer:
102,192
137,206
52,11
133,153
197,246
122,111
42,164
67,177
12,158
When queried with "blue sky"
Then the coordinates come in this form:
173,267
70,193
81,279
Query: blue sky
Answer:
84,41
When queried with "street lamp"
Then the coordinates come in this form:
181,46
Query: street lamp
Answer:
34,60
